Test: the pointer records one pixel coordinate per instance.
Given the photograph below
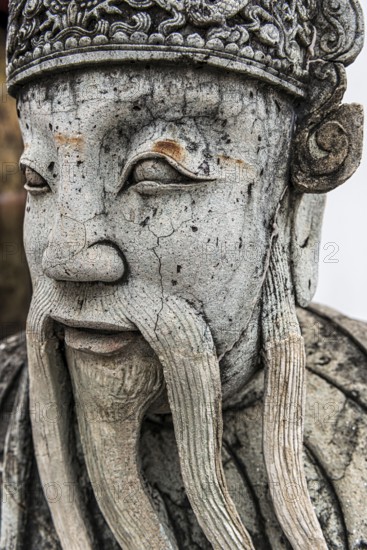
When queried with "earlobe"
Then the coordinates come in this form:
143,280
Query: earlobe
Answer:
329,139
305,245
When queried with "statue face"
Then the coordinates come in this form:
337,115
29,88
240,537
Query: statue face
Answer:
153,194
168,177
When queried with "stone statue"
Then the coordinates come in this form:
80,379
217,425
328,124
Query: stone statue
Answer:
177,155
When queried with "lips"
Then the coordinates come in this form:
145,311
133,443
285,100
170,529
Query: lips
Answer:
97,342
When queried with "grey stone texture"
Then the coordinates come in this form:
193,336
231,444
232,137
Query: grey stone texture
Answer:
176,158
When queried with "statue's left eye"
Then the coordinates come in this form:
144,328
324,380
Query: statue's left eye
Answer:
156,175
157,170
34,184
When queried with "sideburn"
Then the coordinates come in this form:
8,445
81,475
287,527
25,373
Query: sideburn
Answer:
284,407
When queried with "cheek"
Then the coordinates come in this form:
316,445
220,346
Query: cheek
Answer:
203,254
214,258
191,243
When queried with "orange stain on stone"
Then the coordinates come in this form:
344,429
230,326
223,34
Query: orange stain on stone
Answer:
231,160
74,141
170,148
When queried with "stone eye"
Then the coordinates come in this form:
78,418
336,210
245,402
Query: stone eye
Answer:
35,184
157,170
155,175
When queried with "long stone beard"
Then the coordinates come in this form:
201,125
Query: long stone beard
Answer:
187,359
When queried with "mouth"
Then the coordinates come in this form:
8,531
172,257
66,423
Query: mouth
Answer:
99,341
102,326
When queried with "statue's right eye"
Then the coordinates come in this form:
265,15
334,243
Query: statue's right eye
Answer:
34,183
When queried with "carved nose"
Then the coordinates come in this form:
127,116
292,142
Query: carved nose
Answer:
101,262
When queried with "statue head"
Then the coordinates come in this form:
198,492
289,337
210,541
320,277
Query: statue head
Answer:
177,155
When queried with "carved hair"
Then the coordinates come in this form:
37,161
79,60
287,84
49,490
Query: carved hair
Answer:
284,407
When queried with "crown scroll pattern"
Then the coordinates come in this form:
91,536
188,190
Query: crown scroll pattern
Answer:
279,36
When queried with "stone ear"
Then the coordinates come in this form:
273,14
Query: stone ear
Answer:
328,153
327,148
305,245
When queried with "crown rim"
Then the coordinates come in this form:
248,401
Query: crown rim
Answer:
119,55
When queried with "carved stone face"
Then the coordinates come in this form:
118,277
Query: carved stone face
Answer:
167,177
153,194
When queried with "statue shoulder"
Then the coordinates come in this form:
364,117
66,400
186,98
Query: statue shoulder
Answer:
353,329
13,361
336,348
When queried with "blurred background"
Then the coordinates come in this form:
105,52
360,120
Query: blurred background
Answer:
343,247
15,287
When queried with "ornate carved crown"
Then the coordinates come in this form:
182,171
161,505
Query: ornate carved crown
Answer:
270,39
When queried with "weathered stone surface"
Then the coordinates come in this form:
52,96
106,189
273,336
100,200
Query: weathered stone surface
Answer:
175,168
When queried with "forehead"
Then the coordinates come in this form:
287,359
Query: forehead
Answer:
138,93
103,118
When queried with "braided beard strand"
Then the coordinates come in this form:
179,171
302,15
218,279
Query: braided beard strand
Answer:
184,346
284,408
